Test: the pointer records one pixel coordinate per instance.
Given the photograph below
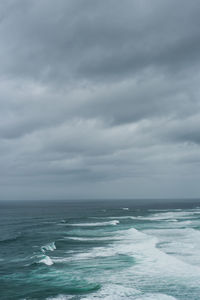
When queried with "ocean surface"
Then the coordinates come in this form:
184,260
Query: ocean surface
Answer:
100,250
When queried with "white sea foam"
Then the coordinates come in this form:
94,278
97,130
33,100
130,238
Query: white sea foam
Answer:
97,252
162,216
142,247
60,297
169,215
155,297
153,260
48,247
161,257
125,208
120,292
46,260
124,217
113,292
114,222
183,243
90,239
153,265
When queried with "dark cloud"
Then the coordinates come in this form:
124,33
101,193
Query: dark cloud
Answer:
99,98
109,40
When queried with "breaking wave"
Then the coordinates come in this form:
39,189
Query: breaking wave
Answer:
114,222
85,239
46,260
48,247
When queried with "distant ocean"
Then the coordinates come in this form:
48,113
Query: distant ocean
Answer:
100,250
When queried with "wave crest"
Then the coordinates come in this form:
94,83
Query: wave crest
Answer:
48,247
114,222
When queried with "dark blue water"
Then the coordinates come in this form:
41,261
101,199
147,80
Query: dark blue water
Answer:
100,250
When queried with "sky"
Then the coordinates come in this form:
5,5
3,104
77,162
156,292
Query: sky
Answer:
99,99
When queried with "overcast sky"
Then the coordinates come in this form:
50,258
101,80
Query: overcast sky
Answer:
99,99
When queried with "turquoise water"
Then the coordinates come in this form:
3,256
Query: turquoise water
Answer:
99,250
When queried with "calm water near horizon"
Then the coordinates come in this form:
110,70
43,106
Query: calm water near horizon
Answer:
100,250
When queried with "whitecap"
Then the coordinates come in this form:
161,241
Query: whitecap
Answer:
48,247
155,297
124,217
165,216
114,222
113,291
90,239
46,260
60,297
182,243
143,248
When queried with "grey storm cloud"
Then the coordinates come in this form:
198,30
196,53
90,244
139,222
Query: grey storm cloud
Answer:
64,40
99,98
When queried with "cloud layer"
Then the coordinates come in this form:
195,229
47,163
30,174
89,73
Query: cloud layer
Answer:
99,99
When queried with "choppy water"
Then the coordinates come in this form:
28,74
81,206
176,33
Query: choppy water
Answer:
99,250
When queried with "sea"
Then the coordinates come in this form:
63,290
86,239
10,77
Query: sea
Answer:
105,249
